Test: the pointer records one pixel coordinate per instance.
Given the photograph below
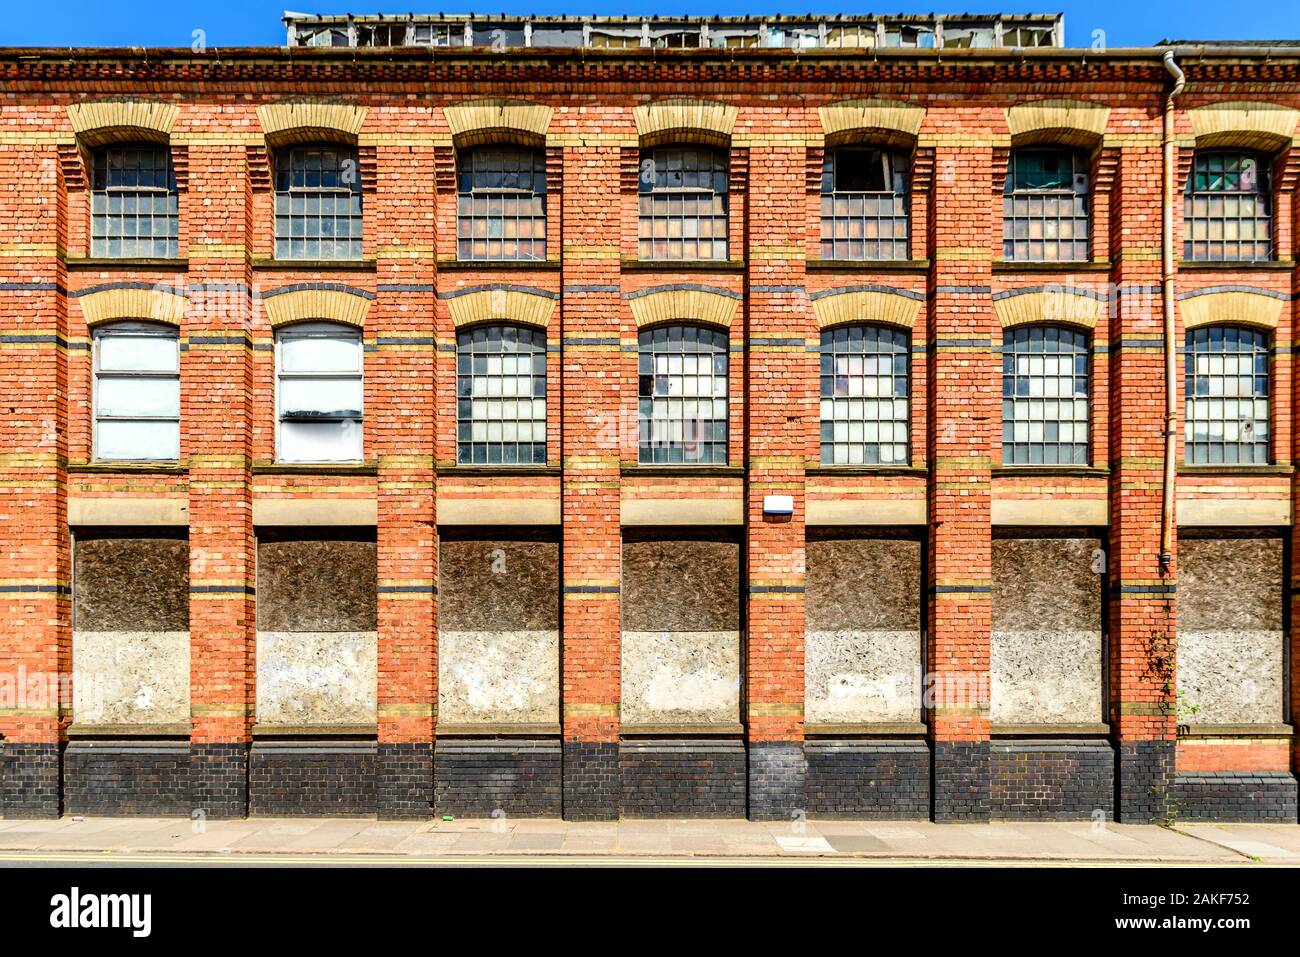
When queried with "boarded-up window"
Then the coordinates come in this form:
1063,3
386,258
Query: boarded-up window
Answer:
863,654
498,627
681,629
317,638
1047,659
130,640
1231,642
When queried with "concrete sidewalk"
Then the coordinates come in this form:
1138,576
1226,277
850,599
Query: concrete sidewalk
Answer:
338,840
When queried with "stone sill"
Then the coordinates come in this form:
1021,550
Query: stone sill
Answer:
1235,731
680,471
545,265
1076,471
267,262
129,731
678,730
147,468
884,730
861,470
322,468
870,265
1197,265
631,264
1083,265
1088,729
498,470
496,730
1238,470
315,730
179,263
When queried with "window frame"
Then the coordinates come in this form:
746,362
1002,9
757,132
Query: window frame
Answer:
535,333
355,194
1080,165
1266,339
721,168
1086,352
896,336
171,192
897,164
719,335
466,156
322,328
1264,195
132,328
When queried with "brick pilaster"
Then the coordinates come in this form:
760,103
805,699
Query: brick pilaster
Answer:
963,386
593,383
35,564
400,429
1141,607
216,444
780,416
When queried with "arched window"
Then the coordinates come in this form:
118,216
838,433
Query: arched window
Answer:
864,204
133,210
317,203
682,203
137,392
501,396
1228,208
319,392
1227,396
682,395
1044,396
864,389
1045,206
501,204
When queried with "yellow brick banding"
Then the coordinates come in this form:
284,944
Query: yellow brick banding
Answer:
1070,122
108,121
306,121
675,305
328,305
1056,306
482,121
1247,308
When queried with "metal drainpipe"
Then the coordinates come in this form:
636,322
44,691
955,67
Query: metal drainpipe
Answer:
1171,349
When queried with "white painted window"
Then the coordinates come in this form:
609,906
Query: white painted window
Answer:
137,392
318,393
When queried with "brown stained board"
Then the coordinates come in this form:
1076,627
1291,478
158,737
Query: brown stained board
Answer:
132,583
858,582
316,584
1046,584
680,583
499,584
1227,581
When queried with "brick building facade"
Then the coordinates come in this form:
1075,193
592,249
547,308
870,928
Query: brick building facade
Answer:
349,571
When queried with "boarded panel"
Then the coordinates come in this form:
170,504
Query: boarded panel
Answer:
863,656
131,583
130,643
316,584
317,638
1230,629
498,629
681,629
1046,663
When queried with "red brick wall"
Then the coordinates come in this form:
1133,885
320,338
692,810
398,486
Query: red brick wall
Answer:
228,412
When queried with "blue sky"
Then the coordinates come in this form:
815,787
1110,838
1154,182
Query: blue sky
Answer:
171,23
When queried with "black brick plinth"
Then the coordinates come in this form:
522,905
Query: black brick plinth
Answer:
857,778
316,778
959,785
683,778
125,777
497,777
404,781
592,781
1052,780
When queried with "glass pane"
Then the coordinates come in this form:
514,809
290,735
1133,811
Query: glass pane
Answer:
323,397
138,353
320,353
138,396
138,440
320,441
